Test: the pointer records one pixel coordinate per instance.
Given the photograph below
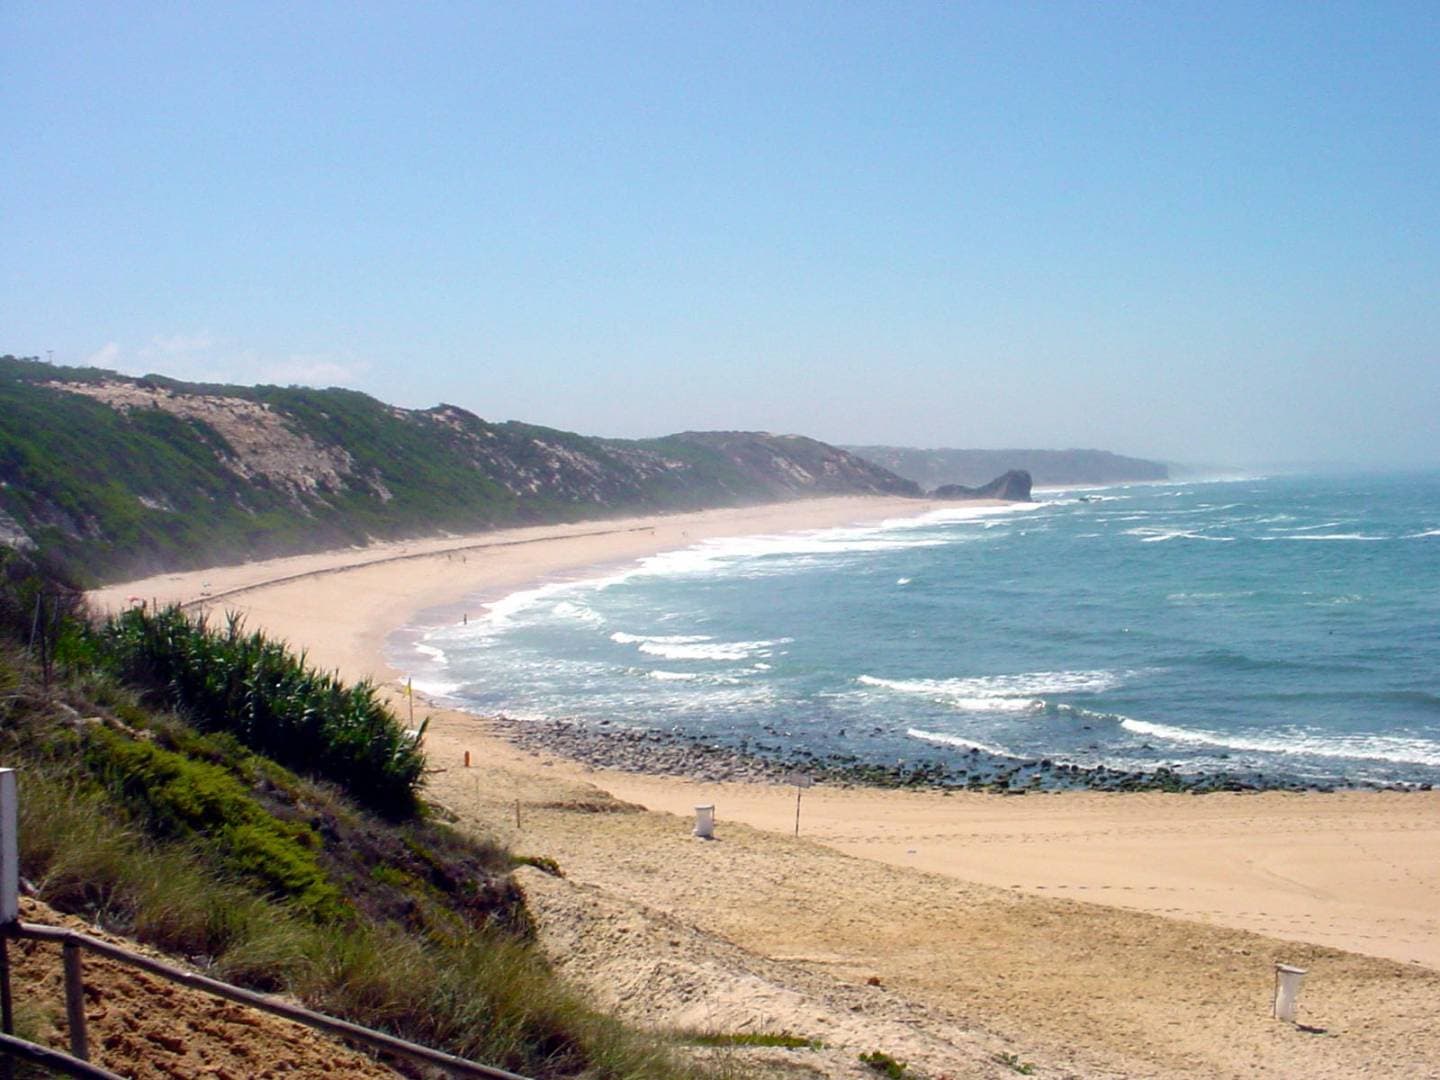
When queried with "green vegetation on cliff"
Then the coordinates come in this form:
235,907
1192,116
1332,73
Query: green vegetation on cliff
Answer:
114,477
270,700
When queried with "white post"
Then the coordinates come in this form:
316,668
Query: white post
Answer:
9,849
705,822
1287,991
801,780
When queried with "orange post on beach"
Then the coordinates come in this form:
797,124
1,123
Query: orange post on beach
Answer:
467,759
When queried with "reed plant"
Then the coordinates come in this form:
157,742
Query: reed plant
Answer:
270,699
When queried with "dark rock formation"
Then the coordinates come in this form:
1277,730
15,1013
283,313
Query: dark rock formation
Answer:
1014,486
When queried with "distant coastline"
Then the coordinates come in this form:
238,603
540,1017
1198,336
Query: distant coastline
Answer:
933,468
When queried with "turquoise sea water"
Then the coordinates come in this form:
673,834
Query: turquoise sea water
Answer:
1288,625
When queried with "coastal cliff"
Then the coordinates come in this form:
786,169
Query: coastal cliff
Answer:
935,468
112,476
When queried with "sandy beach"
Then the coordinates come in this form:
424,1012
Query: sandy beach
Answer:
1091,934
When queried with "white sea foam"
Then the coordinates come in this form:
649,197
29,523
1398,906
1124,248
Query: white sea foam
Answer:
956,740
1000,693
1373,747
996,704
958,515
1328,536
750,556
1076,500
1150,535
902,581
503,612
436,688
1418,535
673,676
1207,597
437,656
697,646
1311,528
749,553
571,610
622,638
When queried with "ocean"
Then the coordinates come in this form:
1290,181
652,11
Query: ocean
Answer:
1286,627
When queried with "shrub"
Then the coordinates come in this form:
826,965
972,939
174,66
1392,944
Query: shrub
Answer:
272,702
187,799
885,1065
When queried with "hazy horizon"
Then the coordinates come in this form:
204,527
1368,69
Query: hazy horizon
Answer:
1206,237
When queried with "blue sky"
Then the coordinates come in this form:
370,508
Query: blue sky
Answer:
1209,233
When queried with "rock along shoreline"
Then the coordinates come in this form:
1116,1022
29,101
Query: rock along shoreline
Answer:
606,745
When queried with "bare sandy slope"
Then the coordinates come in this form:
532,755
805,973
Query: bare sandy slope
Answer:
144,1027
966,909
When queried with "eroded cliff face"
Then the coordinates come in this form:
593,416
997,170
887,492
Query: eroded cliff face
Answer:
120,476
258,442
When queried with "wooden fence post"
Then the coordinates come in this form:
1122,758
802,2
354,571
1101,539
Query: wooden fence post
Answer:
75,1002
9,902
7,1064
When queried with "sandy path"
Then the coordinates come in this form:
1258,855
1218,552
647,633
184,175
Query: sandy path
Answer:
955,905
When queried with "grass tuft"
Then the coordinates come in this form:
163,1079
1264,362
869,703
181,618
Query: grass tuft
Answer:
782,1039
885,1065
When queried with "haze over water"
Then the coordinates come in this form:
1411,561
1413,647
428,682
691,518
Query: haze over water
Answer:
1289,626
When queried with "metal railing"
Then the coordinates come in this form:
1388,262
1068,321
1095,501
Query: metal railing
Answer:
54,1060
72,943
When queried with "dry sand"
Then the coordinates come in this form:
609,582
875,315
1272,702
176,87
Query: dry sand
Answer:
146,1028
1092,934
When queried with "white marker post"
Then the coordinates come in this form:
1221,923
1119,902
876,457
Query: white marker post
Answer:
801,780
1287,991
705,822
